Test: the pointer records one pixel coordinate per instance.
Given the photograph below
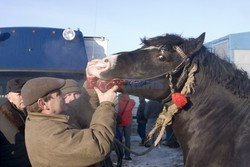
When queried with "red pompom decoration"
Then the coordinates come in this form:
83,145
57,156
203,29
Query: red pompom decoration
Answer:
180,100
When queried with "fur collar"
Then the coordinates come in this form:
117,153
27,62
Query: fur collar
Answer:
13,115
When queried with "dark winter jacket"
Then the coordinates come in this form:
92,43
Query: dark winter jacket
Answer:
152,109
140,112
12,145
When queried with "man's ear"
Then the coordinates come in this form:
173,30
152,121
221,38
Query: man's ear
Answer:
8,96
42,104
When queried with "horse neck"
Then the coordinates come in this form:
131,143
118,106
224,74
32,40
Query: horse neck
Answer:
212,108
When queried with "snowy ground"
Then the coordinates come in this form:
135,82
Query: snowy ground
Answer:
159,157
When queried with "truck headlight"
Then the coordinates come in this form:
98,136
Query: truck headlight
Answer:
68,34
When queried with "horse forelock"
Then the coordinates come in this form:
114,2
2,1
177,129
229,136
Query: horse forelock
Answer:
151,47
168,41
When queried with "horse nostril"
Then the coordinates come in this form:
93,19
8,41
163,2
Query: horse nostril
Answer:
106,60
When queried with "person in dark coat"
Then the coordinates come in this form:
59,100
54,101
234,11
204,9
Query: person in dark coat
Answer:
141,120
152,110
12,122
171,140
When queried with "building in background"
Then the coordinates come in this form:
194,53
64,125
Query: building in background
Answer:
234,48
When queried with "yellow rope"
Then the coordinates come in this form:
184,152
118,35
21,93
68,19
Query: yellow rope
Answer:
165,117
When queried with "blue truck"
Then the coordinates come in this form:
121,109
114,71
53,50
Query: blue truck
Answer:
28,52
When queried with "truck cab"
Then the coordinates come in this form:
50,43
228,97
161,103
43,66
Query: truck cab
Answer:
29,52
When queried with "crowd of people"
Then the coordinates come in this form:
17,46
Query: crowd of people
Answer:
36,129
146,116
45,121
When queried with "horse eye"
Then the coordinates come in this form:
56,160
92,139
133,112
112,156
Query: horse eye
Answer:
161,58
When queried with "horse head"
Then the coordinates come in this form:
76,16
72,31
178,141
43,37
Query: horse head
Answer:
144,70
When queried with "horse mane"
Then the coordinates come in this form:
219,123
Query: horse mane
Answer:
224,73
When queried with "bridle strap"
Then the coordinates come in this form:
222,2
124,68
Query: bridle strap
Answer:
180,52
185,62
179,83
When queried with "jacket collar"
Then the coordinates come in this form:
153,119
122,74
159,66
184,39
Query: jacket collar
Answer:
54,117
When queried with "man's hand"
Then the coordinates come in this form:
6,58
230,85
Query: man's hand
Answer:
110,95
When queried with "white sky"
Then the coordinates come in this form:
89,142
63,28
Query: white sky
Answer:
123,23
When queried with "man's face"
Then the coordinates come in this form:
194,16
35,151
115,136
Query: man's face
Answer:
56,103
71,96
16,99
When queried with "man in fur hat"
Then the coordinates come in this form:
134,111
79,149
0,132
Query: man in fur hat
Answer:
12,120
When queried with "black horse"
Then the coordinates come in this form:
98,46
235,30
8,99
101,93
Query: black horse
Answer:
213,128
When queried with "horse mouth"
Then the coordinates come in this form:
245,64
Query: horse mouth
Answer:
123,84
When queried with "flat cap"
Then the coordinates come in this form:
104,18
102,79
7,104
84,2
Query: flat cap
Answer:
15,85
36,88
70,86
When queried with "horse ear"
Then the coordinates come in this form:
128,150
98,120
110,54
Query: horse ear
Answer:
193,45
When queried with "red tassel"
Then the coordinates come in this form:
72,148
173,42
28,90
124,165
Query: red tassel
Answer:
180,100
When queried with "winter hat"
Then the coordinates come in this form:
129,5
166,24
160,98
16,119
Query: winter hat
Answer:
15,85
39,87
70,86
